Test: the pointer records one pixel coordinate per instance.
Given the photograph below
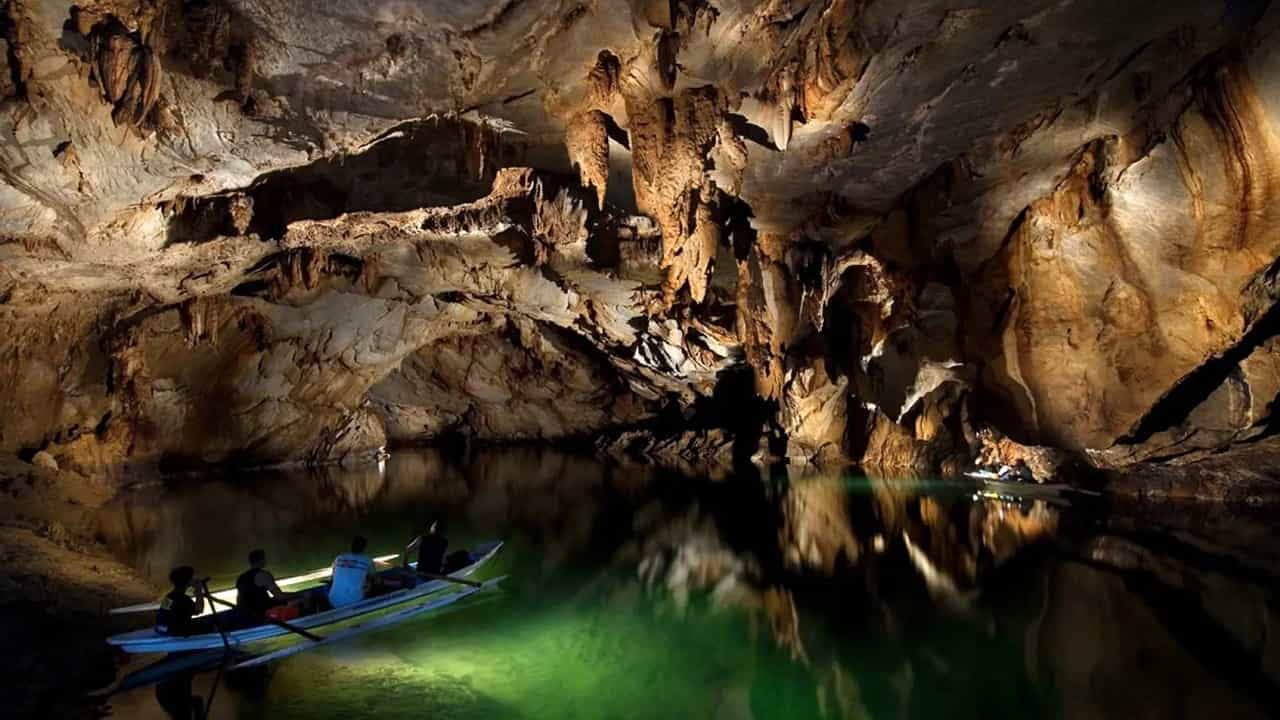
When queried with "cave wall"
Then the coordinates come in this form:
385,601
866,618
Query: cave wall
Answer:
518,381
242,230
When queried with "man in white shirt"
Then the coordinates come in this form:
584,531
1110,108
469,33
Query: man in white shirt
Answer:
352,575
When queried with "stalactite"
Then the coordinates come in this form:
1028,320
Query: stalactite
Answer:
587,141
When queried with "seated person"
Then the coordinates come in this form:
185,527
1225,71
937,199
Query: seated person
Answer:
256,589
1024,471
455,561
1018,472
352,575
177,609
431,549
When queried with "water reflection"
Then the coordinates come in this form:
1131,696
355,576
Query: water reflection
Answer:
643,594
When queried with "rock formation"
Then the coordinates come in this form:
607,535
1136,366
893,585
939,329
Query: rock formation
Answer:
246,231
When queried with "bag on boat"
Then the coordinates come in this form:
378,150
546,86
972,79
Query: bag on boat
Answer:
456,560
283,613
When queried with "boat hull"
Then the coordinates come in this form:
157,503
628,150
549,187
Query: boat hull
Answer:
150,641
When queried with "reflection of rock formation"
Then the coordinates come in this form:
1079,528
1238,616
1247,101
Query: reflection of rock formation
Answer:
955,539
694,452
815,534
688,557
882,600
551,498
942,622
1007,528
1103,637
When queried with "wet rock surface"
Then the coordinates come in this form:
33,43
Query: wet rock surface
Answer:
1246,475
57,581
241,231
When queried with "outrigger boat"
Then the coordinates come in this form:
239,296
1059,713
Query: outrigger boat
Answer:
225,630
991,486
229,594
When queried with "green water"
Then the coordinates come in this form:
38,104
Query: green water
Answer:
638,594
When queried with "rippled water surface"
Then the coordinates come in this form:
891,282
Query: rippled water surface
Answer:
634,593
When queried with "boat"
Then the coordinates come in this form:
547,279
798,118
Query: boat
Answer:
992,487
223,630
229,595
379,622
176,664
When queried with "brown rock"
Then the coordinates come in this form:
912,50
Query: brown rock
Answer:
44,460
1052,219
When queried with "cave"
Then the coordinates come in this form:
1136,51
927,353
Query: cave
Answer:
811,343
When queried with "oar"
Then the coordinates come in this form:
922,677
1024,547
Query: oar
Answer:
451,578
279,623
369,625
217,624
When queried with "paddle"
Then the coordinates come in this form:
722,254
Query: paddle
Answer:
279,623
217,624
450,578
370,625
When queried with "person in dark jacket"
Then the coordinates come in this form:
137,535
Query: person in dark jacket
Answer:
256,589
177,609
431,548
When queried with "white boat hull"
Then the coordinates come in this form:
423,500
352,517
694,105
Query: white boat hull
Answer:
383,621
150,641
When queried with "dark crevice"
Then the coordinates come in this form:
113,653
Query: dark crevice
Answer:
16,85
422,163
275,275
747,130
1002,312
494,21
616,132
843,334
518,96
1173,408
1127,61
741,235
252,288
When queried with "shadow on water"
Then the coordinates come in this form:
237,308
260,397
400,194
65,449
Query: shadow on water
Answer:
634,593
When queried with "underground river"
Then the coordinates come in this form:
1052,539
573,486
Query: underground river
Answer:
638,593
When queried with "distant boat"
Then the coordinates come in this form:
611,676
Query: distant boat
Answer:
991,486
233,635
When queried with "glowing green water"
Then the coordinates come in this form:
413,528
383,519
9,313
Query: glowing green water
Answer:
573,661
647,596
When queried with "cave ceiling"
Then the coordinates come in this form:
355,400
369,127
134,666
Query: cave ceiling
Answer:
267,230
